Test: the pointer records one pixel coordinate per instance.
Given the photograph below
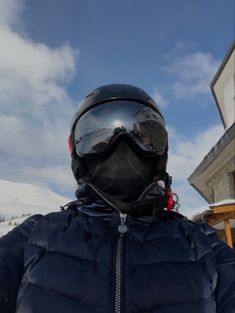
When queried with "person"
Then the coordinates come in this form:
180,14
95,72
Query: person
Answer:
120,246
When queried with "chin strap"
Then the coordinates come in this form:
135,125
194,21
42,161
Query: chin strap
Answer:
170,199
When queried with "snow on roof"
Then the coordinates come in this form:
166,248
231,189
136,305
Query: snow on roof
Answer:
222,202
205,210
199,212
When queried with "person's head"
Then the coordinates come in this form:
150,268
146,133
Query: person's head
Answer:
118,140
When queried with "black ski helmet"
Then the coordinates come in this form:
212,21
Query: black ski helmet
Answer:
104,94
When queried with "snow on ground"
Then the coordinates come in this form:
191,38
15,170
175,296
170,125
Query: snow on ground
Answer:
8,225
18,201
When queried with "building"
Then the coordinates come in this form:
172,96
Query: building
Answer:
214,178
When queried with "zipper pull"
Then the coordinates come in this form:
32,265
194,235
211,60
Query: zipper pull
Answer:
122,228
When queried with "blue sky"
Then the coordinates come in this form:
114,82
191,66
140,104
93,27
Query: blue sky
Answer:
56,51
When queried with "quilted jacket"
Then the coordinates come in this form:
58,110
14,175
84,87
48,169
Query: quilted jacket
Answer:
89,258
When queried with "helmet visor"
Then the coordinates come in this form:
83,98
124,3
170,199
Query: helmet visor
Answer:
97,129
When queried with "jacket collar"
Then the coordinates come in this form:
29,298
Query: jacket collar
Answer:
88,193
92,203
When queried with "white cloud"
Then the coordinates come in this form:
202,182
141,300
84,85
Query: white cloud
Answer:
192,74
57,177
190,203
10,12
35,109
178,50
160,100
184,156
33,71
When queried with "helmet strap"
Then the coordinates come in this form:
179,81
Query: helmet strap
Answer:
170,200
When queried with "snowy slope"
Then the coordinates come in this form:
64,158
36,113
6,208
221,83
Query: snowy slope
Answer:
8,225
18,201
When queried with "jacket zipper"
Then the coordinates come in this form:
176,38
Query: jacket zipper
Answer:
122,228
149,187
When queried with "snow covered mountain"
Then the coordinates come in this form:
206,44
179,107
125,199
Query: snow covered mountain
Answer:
18,201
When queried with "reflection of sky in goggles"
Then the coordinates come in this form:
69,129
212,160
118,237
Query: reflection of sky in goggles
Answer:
99,127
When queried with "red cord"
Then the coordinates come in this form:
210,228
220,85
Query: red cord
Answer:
171,202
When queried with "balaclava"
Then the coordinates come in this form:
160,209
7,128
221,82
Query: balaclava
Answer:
122,173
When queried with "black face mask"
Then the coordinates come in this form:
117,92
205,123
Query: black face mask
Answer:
122,174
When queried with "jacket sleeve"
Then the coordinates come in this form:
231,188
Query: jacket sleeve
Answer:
12,248
225,260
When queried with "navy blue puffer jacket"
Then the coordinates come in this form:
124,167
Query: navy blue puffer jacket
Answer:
81,260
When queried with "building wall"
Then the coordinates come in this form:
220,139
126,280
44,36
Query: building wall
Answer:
222,182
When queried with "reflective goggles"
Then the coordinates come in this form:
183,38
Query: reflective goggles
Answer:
97,129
